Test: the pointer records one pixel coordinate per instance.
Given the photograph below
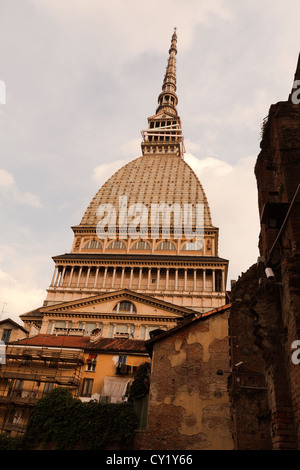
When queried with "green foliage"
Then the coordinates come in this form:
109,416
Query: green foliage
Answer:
10,443
141,384
69,423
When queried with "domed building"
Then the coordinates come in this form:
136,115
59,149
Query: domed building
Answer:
145,254
144,258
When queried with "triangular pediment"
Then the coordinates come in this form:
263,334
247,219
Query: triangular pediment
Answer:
105,303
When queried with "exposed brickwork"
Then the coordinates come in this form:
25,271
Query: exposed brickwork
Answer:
265,316
247,383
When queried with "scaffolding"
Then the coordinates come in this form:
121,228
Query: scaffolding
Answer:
29,374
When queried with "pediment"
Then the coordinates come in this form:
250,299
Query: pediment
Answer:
105,304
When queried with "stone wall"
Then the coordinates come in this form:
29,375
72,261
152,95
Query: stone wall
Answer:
265,315
259,386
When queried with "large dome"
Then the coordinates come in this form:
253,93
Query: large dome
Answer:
150,180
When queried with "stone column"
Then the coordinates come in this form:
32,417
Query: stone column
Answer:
79,276
122,277
113,277
62,276
131,276
158,278
149,278
71,276
54,276
140,277
96,277
56,282
87,277
223,281
104,278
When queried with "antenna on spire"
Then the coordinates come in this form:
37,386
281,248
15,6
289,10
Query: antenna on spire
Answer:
2,311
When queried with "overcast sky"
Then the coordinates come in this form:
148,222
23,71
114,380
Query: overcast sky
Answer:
82,76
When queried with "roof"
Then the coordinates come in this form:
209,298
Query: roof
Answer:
36,314
106,345
56,341
158,337
151,179
9,320
118,345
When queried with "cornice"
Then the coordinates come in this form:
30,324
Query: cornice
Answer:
89,259
116,317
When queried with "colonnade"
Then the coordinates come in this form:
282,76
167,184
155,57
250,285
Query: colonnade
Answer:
140,278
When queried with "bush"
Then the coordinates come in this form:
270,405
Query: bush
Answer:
63,421
10,443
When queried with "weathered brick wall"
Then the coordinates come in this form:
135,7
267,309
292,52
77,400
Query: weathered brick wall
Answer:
281,148
262,406
265,315
189,405
247,383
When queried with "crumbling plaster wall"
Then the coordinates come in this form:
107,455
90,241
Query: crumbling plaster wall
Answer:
189,405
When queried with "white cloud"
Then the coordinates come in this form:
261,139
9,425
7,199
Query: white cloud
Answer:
21,277
17,296
232,197
135,23
9,189
130,150
102,172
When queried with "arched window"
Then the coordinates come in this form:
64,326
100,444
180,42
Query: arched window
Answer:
141,245
117,245
125,307
168,246
93,245
192,246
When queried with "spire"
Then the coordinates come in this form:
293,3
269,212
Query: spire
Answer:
168,100
164,133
